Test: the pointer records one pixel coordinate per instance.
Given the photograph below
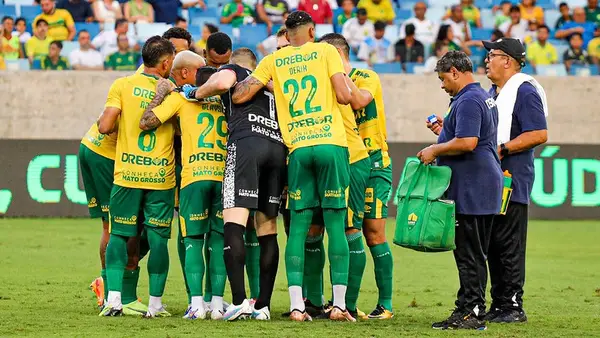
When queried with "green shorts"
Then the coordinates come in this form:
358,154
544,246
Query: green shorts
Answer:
379,190
200,205
360,172
127,205
318,176
98,173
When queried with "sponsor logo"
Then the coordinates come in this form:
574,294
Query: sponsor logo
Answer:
126,220
144,160
92,203
247,193
160,222
143,93
309,122
199,217
369,195
263,120
275,135
274,199
206,156
296,58
295,195
333,193
220,214
490,103
412,219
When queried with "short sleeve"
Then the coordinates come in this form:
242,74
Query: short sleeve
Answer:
370,83
468,119
529,109
114,94
334,61
169,107
68,19
390,13
225,11
264,70
73,58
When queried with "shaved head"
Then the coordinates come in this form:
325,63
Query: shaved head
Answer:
185,67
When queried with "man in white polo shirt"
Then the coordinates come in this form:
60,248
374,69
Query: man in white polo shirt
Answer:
86,57
425,30
106,41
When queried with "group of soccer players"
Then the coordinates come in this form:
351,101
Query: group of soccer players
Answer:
233,144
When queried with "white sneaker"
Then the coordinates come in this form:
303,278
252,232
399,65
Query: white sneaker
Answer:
225,306
195,314
261,314
241,311
216,315
189,307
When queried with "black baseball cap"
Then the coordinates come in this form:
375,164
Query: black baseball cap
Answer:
513,47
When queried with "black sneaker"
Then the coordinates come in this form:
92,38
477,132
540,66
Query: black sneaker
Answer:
456,315
492,314
468,322
325,311
312,309
511,316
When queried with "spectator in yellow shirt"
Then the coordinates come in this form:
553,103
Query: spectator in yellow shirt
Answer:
542,52
594,50
470,13
531,12
37,47
60,22
378,10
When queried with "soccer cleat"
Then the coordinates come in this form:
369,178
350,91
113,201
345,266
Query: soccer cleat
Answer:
109,311
189,307
135,308
325,311
241,311
300,316
195,314
152,313
216,315
261,314
380,313
443,325
492,314
510,316
338,314
468,322
97,287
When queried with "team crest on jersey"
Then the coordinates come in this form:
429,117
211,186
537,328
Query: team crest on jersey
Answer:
92,203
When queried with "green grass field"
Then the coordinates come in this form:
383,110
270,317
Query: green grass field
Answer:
47,265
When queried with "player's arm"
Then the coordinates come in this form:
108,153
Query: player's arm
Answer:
343,93
218,83
108,120
245,90
337,76
149,120
366,91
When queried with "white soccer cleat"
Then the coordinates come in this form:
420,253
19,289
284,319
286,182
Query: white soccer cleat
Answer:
261,314
241,311
216,315
225,306
195,314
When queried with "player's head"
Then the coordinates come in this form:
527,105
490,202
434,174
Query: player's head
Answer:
158,53
282,40
339,42
185,66
300,27
244,57
181,39
204,74
455,70
218,49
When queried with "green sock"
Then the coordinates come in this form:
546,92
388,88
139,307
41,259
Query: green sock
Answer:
218,272
338,245
294,250
130,282
105,280
314,262
158,262
194,264
181,253
384,267
207,287
116,259
358,261
253,262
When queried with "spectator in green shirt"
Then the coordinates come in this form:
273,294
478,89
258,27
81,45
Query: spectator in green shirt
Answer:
237,14
592,12
347,14
565,15
54,61
124,58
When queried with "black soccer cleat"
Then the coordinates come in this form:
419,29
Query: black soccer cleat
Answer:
492,314
456,315
468,322
511,316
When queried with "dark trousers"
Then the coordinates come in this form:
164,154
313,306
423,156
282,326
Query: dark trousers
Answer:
506,257
472,240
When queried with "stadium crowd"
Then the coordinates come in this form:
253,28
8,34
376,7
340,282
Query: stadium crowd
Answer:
390,37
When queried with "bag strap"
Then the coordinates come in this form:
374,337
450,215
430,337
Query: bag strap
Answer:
445,236
411,186
425,194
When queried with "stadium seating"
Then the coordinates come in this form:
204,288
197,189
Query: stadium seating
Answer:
17,65
392,33
198,16
321,30
579,70
560,51
528,69
386,68
252,35
18,2
551,70
551,16
404,14
37,64
8,10
92,27
481,33
30,12
68,47
487,18
410,67
146,30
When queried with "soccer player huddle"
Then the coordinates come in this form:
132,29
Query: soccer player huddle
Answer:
230,145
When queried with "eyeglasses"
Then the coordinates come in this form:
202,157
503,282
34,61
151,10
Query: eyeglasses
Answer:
490,56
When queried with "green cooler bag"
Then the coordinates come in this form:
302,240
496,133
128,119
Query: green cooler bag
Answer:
424,221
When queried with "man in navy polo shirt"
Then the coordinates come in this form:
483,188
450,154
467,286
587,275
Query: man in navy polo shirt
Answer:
467,144
526,128
168,10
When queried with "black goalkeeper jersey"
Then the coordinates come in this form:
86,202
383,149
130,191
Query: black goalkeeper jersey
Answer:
257,117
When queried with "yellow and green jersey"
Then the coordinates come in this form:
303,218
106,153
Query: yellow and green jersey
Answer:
356,147
308,112
61,64
371,119
120,61
203,136
58,21
144,158
104,145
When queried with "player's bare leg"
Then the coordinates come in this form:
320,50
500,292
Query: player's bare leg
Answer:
374,231
266,230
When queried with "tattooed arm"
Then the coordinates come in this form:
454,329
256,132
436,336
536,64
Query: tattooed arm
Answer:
149,120
245,90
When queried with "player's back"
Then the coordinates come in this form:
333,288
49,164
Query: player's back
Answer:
101,144
144,159
308,112
204,139
356,147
